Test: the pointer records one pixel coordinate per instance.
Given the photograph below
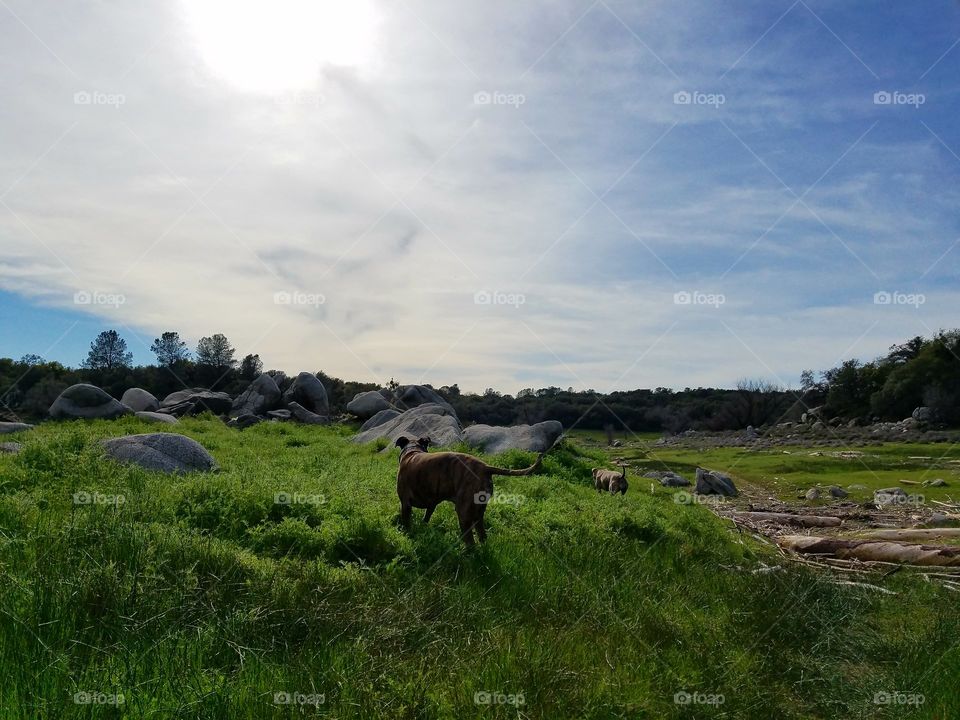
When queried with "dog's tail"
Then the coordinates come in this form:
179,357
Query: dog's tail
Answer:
525,471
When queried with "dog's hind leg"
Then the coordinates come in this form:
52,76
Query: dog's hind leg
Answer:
481,529
466,528
428,514
406,511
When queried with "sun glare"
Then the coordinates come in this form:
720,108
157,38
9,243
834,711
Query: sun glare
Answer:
280,45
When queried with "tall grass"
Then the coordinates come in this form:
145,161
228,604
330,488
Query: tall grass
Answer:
200,596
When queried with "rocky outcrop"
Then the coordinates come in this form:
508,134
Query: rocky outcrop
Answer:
196,400
710,482
308,392
411,396
165,452
86,401
301,414
260,396
431,420
139,400
367,404
533,438
380,418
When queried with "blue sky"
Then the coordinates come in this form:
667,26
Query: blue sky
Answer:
334,186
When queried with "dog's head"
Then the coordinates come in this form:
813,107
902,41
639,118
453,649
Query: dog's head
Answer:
406,445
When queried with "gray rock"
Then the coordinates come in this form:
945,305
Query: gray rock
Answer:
367,404
380,418
532,438
939,482
86,401
818,426
260,396
889,496
10,447
13,427
431,420
139,400
156,417
166,452
710,482
411,396
667,478
303,415
279,414
838,492
196,400
923,414
308,392
813,494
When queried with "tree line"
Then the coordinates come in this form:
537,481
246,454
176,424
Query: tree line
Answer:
920,372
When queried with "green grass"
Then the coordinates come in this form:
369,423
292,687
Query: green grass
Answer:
200,597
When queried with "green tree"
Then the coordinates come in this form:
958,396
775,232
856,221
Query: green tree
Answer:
108,352
169,349
216,352
250,367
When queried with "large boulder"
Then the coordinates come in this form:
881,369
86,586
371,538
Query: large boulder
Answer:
86,401
923,414
380,418
411,396
156,417
710,482
196,400
166,452
431,420
301,414
533,438
260,396
139,400
367,404
13,427
308,392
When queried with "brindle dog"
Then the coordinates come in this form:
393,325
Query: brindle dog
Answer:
610,481
424,480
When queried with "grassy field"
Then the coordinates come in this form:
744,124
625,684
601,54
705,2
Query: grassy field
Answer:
202,596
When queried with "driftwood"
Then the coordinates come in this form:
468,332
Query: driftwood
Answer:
914,534
941,555
801,520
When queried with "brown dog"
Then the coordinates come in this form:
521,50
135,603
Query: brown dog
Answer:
424,480
610,481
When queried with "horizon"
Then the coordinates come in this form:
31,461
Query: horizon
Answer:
595,196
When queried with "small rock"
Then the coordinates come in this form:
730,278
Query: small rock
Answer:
710,482
305,416
838,492
813,494
888,496
157,417
14,427
279,414
10,447
244,421
939,482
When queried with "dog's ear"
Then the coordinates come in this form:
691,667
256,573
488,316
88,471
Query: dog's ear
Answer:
424,443
402,442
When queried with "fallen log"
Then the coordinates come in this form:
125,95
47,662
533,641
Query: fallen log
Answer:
914,534
942,555
801,520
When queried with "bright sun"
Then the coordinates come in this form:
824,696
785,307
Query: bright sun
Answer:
271,46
